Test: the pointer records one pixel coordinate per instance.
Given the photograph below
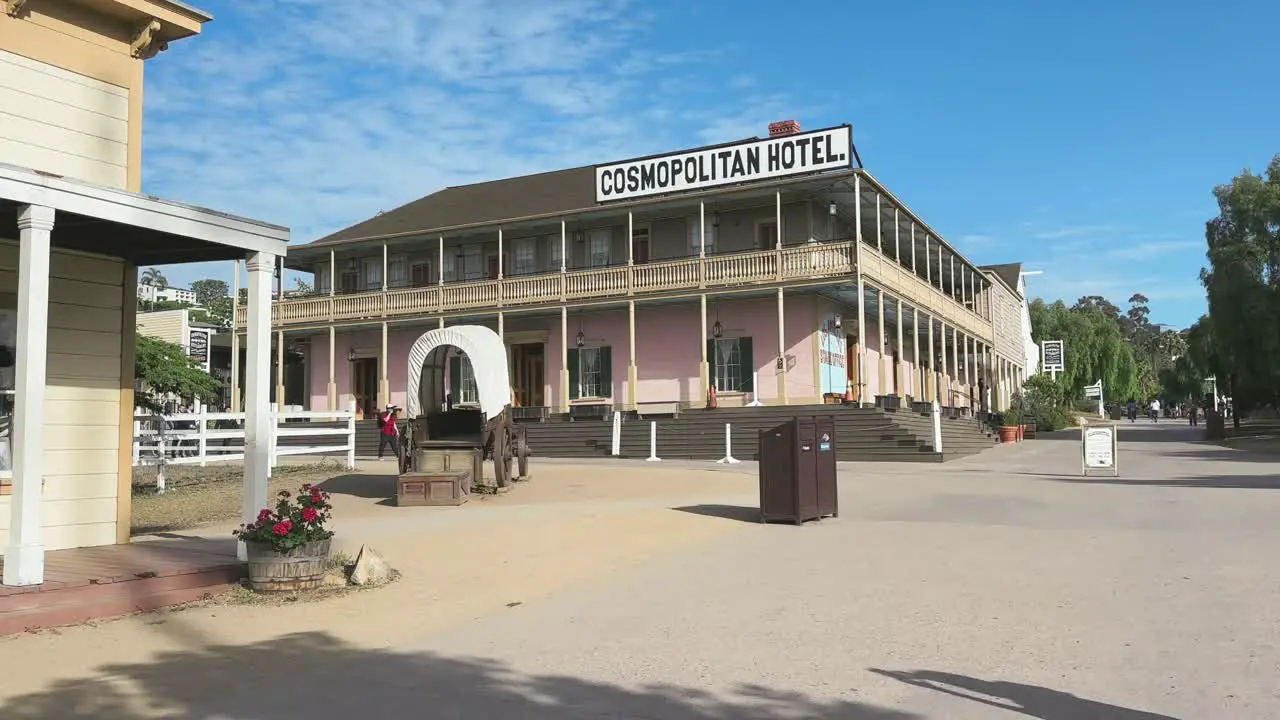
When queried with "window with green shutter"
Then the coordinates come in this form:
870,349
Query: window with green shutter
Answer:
590,372
731,364
462,381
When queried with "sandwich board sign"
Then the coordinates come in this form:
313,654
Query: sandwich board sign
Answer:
1052,358
1094,392
1099,448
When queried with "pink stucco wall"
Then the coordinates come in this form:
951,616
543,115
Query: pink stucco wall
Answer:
668,348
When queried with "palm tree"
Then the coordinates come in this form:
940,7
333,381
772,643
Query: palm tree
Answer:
152,276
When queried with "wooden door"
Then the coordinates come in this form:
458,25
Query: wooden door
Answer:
853,366
767,235
641,249
364,385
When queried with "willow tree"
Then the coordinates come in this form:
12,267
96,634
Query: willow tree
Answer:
1094,348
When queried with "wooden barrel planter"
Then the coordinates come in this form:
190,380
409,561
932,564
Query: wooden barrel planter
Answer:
301,568
1008,433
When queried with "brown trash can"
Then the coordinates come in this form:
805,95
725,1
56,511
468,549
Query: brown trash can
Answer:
798,470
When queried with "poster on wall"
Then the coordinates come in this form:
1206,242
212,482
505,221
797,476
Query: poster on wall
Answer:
198,347
832,370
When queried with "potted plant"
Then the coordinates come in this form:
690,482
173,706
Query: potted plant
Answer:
1010,424
288,546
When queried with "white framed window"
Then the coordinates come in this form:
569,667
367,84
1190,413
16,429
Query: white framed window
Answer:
731,364
471,263
322,280
462,381
600,247
372,273
710,236
524,259
397,271
555,251
451,265
590,372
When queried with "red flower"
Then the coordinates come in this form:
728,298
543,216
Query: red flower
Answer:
282,528
310,514
264,514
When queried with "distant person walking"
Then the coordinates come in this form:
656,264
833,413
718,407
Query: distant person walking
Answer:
1132,411
1193,413
1154,410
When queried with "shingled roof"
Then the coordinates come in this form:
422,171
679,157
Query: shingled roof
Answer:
1008,272
546,193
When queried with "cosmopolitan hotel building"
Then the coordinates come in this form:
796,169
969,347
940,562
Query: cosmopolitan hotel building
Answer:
770,269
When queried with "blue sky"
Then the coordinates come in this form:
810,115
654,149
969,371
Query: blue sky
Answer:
1082,139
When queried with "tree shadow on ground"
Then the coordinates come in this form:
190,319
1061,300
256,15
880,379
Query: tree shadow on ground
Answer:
1211,451
314,675
1030,700
1236,482
363,486
741,513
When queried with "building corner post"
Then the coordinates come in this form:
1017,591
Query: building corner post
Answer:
258,417
24,553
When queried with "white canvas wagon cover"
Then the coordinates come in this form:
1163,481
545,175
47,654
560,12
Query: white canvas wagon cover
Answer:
427,367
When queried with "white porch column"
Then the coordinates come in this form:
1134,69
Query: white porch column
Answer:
257,417
564,245
899,382
917,393
564,357
783,398
777,214
913,246
704,373
944,380
24,555
631,235
880,379
928,265
633,373
897,239
879,232
931,380
333,385
500,263
235,340
384,267
333,274
440,255
278,269
384,383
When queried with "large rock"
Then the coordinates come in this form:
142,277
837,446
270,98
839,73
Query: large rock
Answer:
370,568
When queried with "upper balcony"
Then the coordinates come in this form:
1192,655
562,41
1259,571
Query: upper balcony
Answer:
591,256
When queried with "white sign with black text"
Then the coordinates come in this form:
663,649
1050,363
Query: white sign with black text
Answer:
198,347
1099,451
776,157
1051,356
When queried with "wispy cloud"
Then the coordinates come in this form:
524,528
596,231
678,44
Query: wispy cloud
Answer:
1150,250
975,241
1073,231
317,114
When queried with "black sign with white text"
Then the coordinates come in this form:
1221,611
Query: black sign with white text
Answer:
777,157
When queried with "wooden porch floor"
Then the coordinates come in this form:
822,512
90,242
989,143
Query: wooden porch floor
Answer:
101,582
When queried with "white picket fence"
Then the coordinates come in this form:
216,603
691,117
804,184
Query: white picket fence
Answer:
189,439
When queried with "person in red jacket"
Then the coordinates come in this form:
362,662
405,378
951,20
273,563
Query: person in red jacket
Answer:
389,430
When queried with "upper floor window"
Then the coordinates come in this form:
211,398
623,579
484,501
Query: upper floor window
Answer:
709,236
398,271
373,274
600,247
555,252
524,261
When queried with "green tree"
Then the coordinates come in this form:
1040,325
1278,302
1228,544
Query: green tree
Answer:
1093,346
1243,287
153,276
215,301
163,369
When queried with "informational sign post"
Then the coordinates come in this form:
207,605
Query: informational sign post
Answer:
1099,449
1094,392
1052,358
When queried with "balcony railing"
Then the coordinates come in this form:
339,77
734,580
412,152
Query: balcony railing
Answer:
797,263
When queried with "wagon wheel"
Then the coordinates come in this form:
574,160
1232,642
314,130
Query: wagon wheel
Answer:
522,453
501,467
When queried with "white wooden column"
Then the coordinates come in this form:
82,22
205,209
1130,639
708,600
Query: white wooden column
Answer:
928,268
440,270
631,234
782,352
917,376
897,243
931,378
702,229
913,246
899,382
384,382
879,233
633,374
704,373
257,418
24,553
333,275
564,356
944,379
333,385
956,337
278,268
500,263
564,245
384,267
235,340
880,383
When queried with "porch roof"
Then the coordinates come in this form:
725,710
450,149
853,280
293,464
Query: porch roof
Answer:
141,229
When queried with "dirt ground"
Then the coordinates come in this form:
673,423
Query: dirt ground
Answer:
196,496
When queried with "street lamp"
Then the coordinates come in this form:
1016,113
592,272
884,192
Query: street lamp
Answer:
351,354
717,330
580,339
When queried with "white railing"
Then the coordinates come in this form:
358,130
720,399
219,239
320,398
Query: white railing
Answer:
196,438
